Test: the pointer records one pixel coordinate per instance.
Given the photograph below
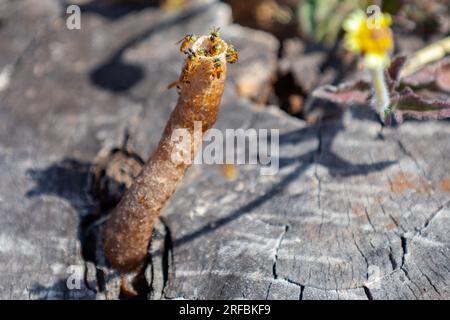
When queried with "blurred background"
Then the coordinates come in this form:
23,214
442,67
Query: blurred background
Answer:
309,36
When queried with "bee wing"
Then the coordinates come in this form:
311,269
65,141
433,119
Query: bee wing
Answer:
214,30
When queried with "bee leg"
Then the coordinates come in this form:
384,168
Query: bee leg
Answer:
173,85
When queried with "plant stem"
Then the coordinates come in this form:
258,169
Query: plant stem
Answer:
431,53
382,101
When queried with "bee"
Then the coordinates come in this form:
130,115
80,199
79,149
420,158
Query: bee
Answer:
232,55
215,49
190,63
202,52
218,68
214,35
174,84
186,42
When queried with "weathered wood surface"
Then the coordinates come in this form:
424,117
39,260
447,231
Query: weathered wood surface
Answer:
354,212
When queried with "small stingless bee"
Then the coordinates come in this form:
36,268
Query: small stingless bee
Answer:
191,61
214,34
189,65
186,42
202,52
215,49
218,68
214,46
232,55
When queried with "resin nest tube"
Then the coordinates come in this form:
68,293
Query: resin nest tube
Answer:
127,232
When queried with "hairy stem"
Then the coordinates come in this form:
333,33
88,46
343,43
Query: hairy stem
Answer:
382,101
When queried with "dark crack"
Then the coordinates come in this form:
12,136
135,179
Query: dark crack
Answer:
275,259
392,259
410,280
167,256
368,293
302,289
366,212
431,217
431,283
363,255
405,250
409,155
403,267
150,282
268,291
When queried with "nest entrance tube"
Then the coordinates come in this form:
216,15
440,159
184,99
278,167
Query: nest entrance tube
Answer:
127,232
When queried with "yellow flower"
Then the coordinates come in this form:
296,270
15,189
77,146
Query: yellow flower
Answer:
370,36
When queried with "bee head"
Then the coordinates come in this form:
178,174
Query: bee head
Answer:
191,38
214,33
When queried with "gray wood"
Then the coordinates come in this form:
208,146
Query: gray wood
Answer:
354,212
